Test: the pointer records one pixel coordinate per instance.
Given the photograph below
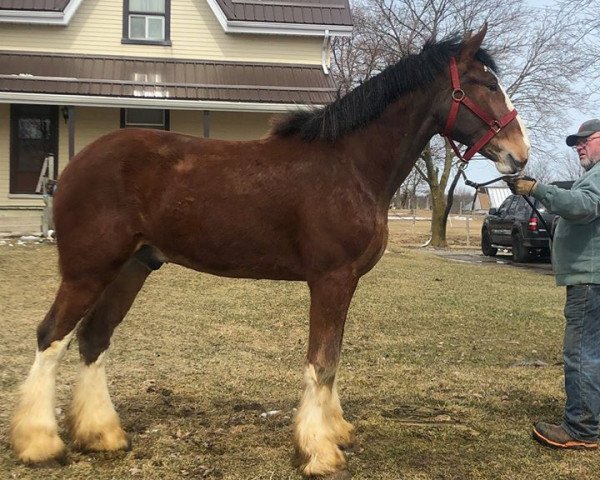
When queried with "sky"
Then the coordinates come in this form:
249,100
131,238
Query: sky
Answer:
480,169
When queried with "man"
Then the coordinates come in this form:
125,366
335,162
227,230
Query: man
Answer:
576,262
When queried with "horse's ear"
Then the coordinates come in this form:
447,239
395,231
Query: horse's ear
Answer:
472,43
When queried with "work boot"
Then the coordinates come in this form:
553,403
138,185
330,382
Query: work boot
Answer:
556,436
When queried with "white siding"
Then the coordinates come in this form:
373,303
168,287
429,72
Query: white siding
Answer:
97,28
239,126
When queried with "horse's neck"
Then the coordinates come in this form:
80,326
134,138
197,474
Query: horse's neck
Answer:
387,149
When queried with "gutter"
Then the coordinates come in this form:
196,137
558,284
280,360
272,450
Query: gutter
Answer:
145,102
41,18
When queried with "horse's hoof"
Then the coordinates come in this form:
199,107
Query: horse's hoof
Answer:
40,448
103,444
351,447
99,438
339,475
62,460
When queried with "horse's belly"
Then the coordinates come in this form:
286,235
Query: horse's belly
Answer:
234,253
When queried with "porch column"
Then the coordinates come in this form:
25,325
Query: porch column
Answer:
206,122
71,125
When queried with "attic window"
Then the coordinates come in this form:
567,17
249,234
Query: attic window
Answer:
147,22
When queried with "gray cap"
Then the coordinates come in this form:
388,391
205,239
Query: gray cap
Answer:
586,129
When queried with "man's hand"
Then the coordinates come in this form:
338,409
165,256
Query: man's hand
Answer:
522,185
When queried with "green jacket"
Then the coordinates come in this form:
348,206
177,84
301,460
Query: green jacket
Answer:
576,245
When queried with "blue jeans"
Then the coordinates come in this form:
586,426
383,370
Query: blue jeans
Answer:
582,361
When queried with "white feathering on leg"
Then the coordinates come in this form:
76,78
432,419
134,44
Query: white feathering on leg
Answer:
320,428
94,423
34,431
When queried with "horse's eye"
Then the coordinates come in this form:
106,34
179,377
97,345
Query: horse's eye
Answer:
493,88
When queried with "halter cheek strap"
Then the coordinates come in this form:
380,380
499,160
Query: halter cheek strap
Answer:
460,97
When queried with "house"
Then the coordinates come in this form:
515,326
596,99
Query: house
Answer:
491,196
73,70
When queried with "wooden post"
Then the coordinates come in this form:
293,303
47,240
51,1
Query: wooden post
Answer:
468,233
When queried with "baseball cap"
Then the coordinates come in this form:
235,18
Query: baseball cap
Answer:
586,129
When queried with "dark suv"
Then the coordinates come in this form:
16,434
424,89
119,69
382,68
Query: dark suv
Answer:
516,226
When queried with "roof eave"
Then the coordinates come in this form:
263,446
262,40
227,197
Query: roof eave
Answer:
275,28
147,102
41,18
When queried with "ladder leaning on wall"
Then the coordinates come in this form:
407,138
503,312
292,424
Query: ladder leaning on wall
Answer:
46,186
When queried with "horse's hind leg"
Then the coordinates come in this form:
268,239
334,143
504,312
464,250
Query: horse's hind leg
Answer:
34,431
85,274
320,427
93,422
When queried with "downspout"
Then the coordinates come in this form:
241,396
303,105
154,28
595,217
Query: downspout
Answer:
325,52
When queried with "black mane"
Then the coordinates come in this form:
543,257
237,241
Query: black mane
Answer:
368,101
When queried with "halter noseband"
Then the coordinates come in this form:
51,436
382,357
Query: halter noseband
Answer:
459,96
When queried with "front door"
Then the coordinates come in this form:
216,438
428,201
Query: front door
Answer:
33,135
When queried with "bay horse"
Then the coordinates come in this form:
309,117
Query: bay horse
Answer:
308,202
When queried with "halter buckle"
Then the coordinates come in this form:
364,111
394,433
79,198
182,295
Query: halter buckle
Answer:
458,95
495,126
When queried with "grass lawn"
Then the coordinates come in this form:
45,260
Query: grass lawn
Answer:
438,371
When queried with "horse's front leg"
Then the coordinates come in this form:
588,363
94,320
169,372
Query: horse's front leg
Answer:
320,428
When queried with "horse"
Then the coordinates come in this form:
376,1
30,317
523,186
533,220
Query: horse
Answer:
308,202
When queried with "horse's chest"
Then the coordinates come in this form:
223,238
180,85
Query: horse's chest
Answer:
373,251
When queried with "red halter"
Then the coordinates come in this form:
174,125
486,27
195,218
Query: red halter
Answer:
458,97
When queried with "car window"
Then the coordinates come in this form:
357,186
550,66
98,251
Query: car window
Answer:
523,210
513,208
505,204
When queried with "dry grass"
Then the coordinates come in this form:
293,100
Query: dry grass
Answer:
435,374
462,231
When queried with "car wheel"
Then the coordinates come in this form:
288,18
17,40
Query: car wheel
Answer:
520,253
486,244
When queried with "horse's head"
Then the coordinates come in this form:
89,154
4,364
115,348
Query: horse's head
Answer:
476,111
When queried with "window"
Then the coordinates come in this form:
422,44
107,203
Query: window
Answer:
523,209
147,22
505,204
145,118
512,209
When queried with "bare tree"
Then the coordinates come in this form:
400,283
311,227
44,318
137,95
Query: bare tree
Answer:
541,52
359,57
568,167
406,195
541,172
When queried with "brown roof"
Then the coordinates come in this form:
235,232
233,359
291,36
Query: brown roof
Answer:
164,78
320,12
317,12
34,5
